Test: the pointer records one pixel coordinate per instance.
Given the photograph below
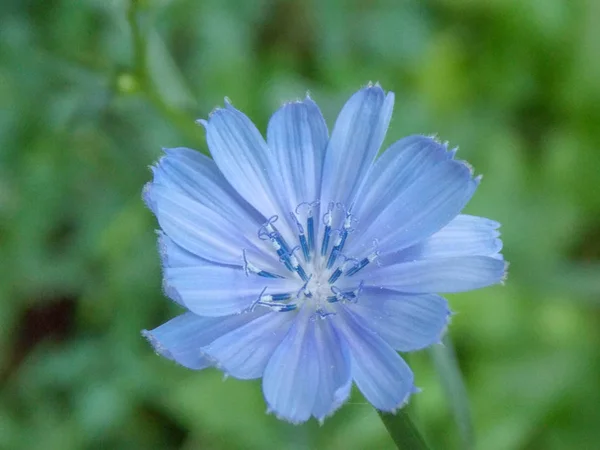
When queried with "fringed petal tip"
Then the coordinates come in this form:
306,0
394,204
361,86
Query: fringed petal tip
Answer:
171,292
444,329
413,390
376,84
320,419
228,106
159,349
147,196
307,100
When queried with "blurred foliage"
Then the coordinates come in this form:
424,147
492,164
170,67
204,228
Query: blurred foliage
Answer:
83,113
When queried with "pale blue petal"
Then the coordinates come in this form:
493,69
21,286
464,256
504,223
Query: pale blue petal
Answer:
395,170
406,322
380,373
335,378
297,135
172,255
245,352
356,138
423,208
244,158
463,236
213,290
181,339
291,378
444,275
199,177
202,231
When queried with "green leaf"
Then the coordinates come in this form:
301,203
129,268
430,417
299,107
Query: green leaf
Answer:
446,365
403,431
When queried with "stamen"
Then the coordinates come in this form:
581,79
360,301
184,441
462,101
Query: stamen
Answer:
362,264
310,223
322,314
340,295
270,301
340,270
327,221
296,265
275,297
304,289
277,306
251,268
282,253
301,238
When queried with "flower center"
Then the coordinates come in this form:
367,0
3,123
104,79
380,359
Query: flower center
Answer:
316,265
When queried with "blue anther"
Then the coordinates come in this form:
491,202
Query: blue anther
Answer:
325,244
287,308
361,265
323,314
262,273
304,289
251,268
280,297
339,295
337,249
310,226
335,275
302,273
304,245
327,221
301,237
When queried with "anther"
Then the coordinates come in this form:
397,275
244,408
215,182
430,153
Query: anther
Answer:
296,265
327,221
340,270
304,289
341,239
362,264
271,301
251,268
310,222
301,238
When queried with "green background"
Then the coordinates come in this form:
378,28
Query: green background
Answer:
83,113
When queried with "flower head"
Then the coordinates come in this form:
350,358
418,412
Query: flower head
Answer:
308,262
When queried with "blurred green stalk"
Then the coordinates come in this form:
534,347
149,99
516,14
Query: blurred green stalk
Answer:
180,119
402,430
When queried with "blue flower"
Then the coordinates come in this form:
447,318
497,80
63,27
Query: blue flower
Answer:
308,262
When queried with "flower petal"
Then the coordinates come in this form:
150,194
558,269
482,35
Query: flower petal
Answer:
380,373
356,138
437,275
172,255
395,170
243,157
406,322
198,176
213,290
463,236
291,377
244,352
426,206
201,230
335,378
181,339
297,135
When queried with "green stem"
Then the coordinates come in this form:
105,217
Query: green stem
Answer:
403,431
185,123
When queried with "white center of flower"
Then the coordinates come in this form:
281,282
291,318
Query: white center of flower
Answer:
318,265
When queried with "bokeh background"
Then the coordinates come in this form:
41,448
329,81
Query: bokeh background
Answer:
90,90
